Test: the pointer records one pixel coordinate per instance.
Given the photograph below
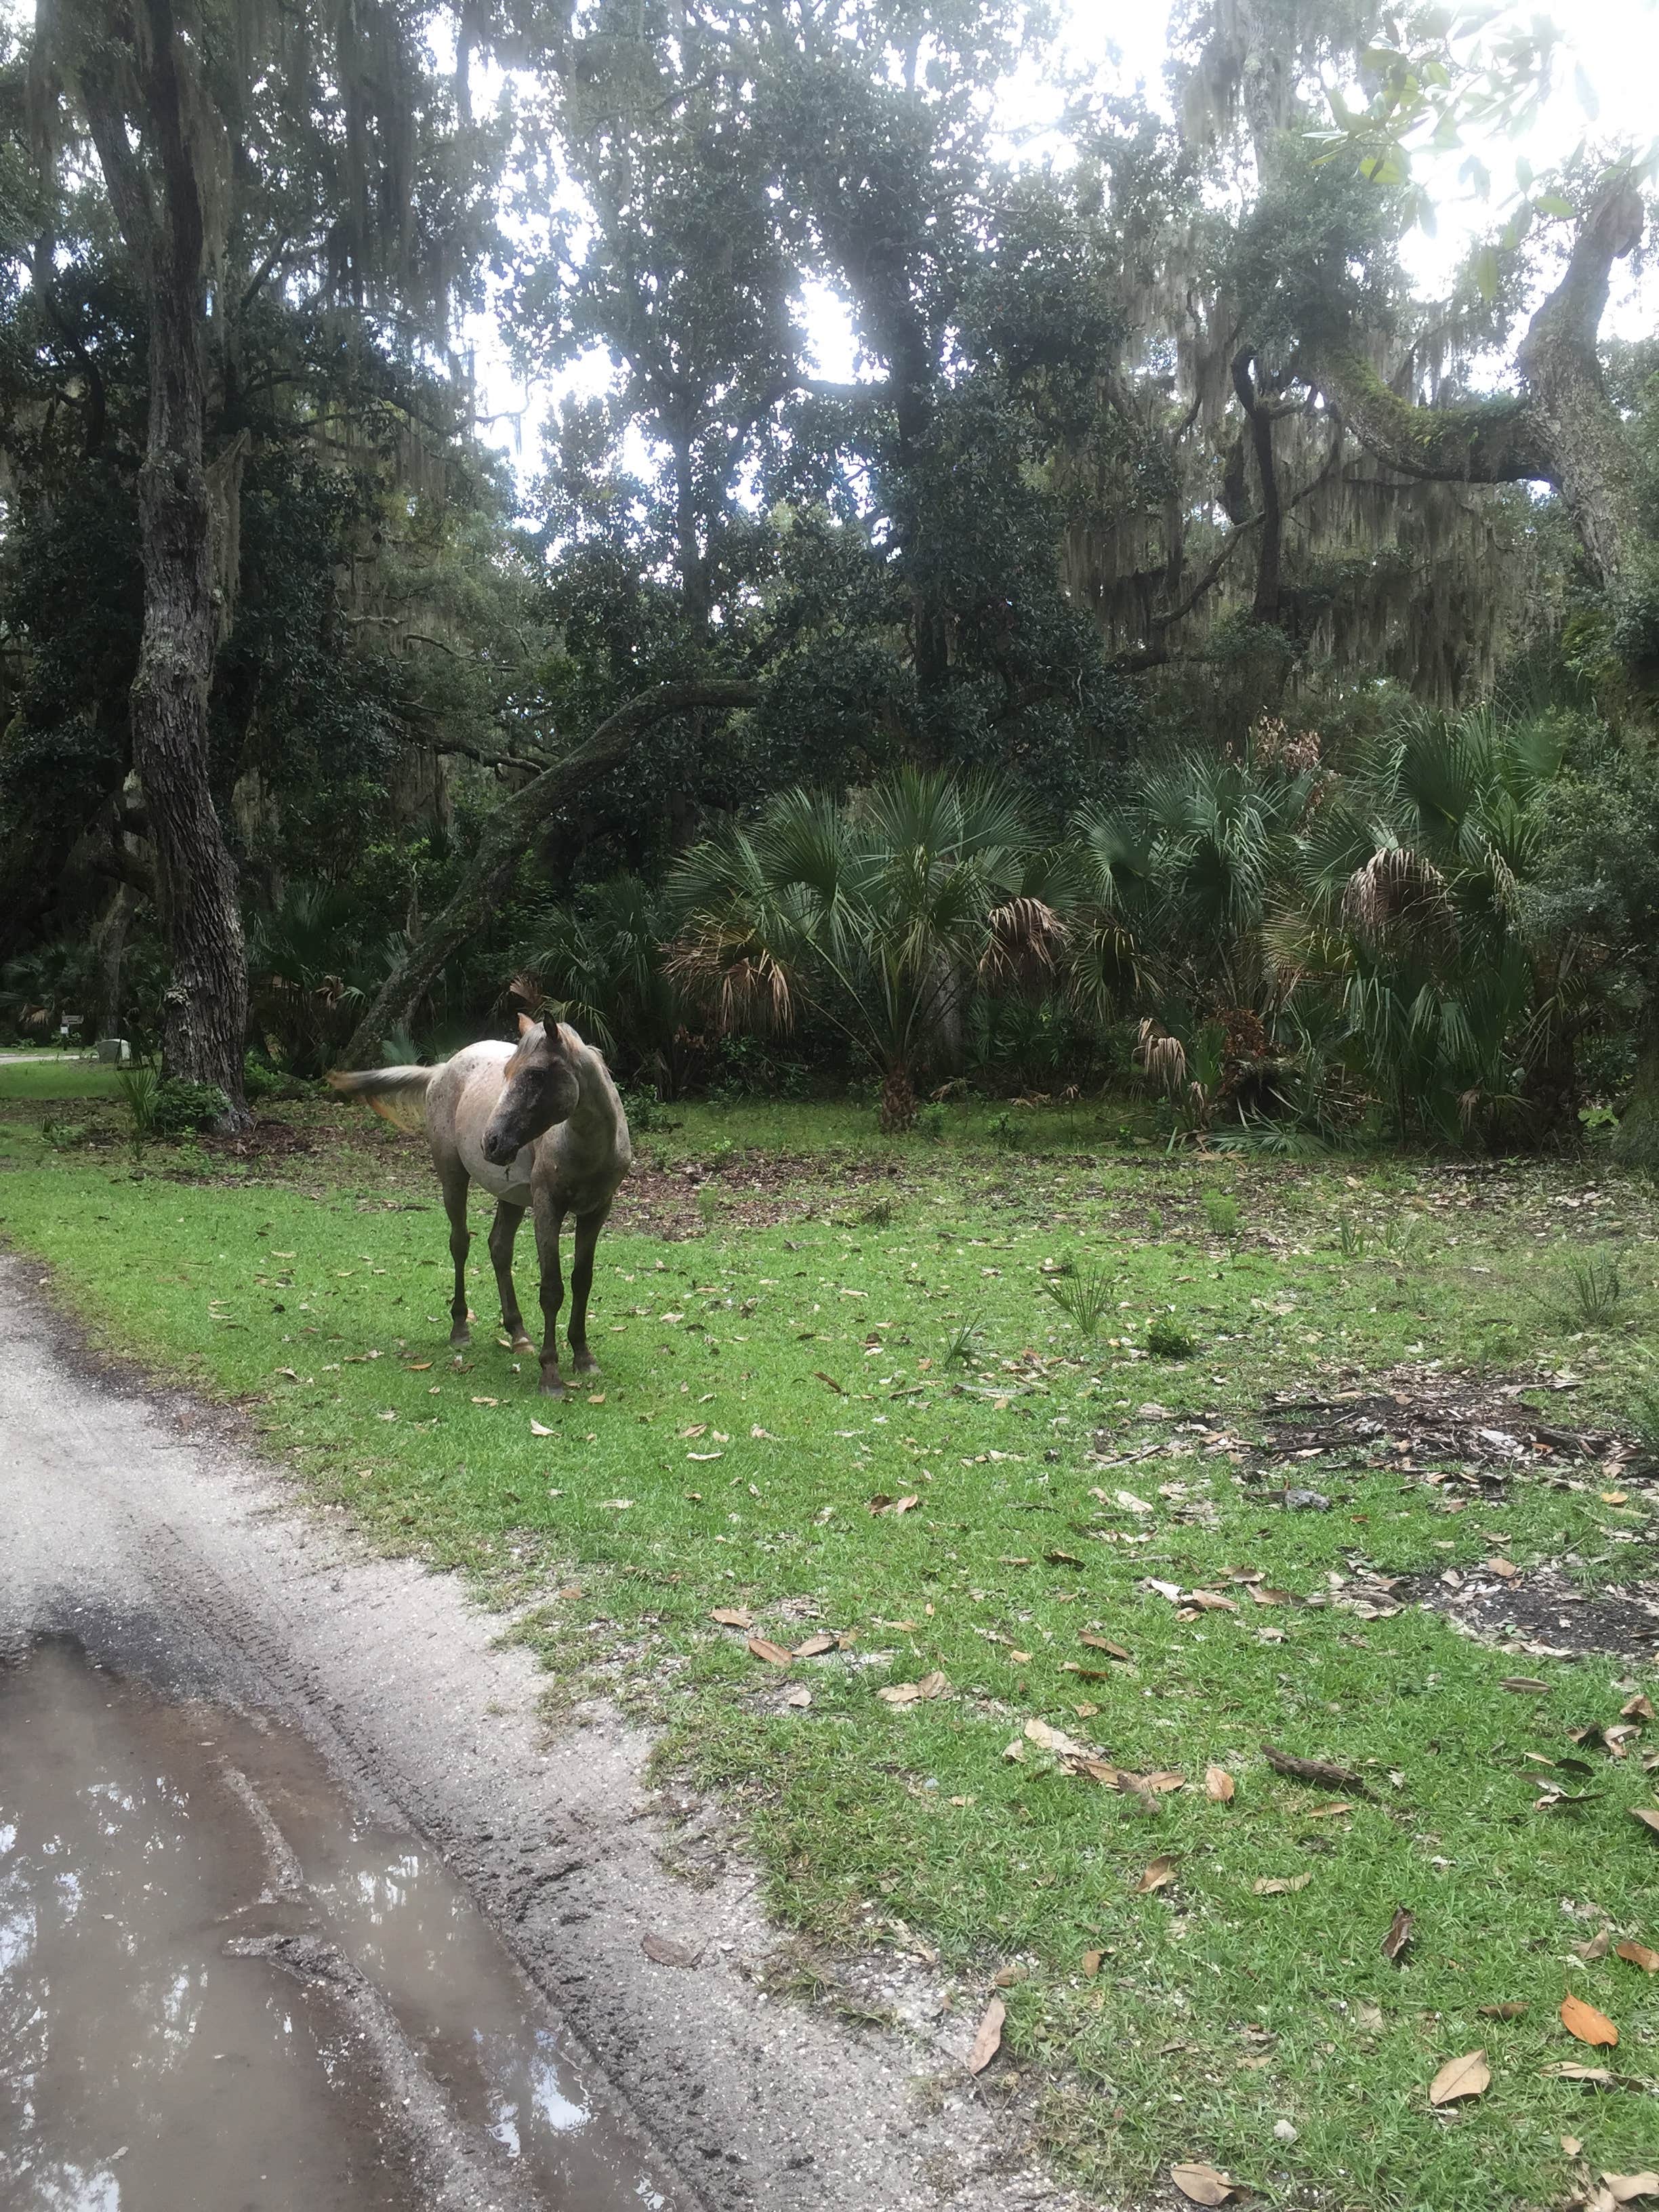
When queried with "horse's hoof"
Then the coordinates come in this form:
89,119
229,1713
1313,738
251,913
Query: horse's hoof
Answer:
552,1387
585,1363
521,1343
457,1337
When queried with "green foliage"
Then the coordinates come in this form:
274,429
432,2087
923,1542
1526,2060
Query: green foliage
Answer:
178,1109
1166,1338
1593,1288
1085,1296
1223,1213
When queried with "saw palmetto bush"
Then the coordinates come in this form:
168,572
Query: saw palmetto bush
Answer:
882,913
1406,916
599,963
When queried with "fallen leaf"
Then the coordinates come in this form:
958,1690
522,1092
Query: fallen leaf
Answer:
1614,1497
1637,1954
1165,1779
1598,2077
1260,1596
1274,1886
417,1366
1201,2185
1510,2008
815,1644
1504,1568
911,1694
733,1616
664,1951
1597,1947
800,1695
1584,2021
1056,1740
1329,1812
1156,1876
537,1430
1313,1770
1523,1684
1646,1815
1091,1962
1063,1559
486,1402
905,1505
818,1375
934,1684
1637,1708
1213,1601
1468,2076
1572,2145
774,1654
987,2039
1401,1928
1626,2188
1102,1644
1218,1785
1131,1503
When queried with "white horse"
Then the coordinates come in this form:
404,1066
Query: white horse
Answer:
537,1124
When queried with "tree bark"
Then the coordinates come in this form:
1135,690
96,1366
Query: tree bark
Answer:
507,837
1558,427
204,1020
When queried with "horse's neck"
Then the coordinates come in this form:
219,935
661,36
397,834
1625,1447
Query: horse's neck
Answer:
595,1126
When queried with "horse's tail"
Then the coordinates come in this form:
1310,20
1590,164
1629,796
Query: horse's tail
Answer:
398,1094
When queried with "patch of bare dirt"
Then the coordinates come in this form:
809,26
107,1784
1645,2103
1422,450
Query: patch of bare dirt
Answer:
757,1190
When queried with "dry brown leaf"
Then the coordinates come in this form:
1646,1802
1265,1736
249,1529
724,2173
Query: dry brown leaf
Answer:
987,2039
1523,1684
800,1695
1506,1569
1218,1785
1274,1885
1211,1601
1584,2021
1102,1643
1005,1977
733,1616
1056,1741
934,1684
1156,1876
1097,1770
1637,1954
1598,2077
1626,2188
1597,1947
417,1366
1637,1708
1201,2185
1091,1962
815,1645
1063,1559
664,1951
1647,1816
1572,2145
1329,1812
536,1427
1259,1596
774,1654
1322,1771
1401,1928
905,1505
1165,1779
1510,2008
1468,2076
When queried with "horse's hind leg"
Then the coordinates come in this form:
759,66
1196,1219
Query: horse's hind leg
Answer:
581,1282
454,1182
503,1232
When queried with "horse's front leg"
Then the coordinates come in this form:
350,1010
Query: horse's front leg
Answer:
581,1282
454,1182
503,1232
549,1220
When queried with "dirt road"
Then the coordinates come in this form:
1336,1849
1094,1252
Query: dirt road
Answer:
132,1523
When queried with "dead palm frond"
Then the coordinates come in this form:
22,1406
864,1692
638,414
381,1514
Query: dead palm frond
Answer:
1027,939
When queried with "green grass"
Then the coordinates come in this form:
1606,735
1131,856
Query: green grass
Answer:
715,1463
65,1077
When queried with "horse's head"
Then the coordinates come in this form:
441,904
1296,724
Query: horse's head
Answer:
539,1087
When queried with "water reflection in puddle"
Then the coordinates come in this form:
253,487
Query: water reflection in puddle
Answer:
142,2070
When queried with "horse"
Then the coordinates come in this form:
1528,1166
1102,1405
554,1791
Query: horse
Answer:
539,1125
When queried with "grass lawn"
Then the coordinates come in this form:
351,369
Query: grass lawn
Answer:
843,1396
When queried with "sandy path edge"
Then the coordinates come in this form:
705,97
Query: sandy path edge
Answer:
134,1520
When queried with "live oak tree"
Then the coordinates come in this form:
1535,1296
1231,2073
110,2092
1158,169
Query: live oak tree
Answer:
304,149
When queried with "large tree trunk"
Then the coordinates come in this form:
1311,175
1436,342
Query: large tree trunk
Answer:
205,1023
509,834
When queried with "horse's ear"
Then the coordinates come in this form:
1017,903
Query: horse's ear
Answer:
524,1025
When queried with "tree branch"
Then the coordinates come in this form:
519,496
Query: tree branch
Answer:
509,834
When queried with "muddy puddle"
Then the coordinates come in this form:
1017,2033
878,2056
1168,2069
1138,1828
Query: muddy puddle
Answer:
222,1991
